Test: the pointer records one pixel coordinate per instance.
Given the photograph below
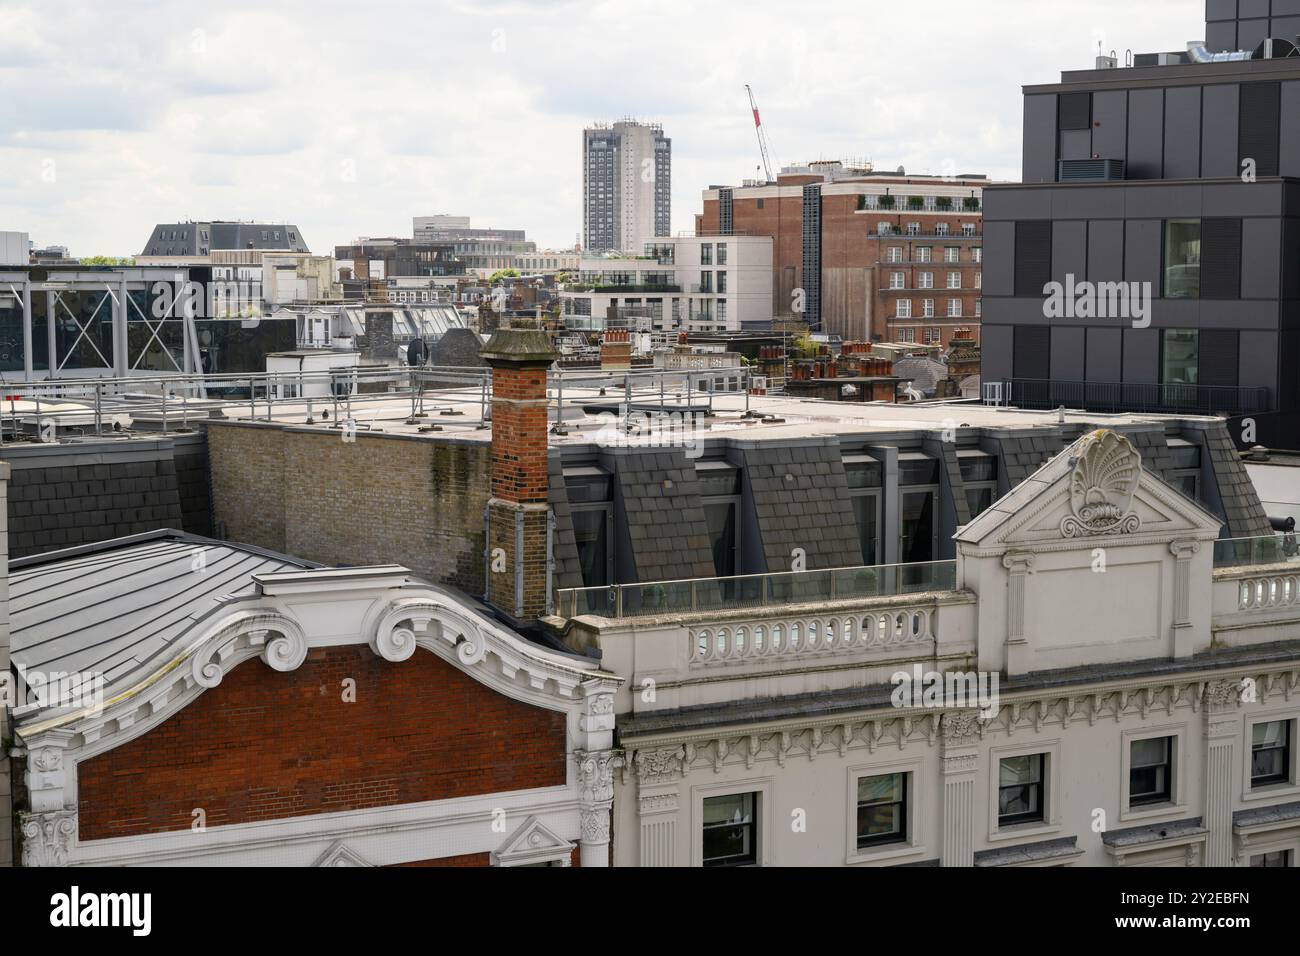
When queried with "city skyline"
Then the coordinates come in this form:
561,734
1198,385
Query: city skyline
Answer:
98,149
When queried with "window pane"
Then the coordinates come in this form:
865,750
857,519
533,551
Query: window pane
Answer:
1027,769
888,787
721,519
1272,734
1181,356
1148,752
864,513
1183,259
916,526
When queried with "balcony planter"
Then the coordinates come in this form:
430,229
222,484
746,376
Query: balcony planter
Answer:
915,202
886,202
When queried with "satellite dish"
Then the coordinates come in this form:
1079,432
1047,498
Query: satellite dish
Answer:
415,352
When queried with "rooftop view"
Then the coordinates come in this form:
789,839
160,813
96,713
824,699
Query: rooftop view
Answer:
525,455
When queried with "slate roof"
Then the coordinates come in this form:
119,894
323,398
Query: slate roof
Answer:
924,373
107,608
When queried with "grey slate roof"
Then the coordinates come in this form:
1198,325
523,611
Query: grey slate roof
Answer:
227,236
924,373
1245,515
107,608
667,530
568,570
801,500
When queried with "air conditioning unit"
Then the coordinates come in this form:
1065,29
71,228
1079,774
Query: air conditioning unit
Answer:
992,393
1089,170
758,381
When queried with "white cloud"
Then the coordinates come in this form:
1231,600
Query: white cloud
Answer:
348,119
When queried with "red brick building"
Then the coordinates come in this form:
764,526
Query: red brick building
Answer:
878,257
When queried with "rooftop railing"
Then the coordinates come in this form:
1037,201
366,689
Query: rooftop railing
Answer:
757,590
1252,552
1135,397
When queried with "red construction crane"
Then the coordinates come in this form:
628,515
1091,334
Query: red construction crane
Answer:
762,137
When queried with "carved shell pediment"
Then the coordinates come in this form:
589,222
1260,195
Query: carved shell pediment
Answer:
1103,481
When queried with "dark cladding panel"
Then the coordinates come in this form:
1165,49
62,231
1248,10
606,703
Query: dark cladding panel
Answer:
1069,250
1251,33
1183,132
1105,250
1219,358
1220,258
1110,132
1033,352
1258,137
1141,355
1067,354
1033,257
1142,245
1103,355
1146,134
1221,36
1289,144
1219,135
995,351
1075,111
1261,258
999,257
1039,154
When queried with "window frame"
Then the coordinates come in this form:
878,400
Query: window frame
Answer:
1050,750
1270,790
915,795
762,788
1177,802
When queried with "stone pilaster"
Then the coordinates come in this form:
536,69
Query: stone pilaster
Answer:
1223,726
960,757
1019,566
595,800
1184,628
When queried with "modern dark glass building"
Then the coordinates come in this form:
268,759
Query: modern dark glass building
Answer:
1177,178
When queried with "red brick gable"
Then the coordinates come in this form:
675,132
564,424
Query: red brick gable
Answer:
265,745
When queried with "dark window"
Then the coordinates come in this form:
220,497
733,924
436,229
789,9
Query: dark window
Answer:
760,204
1280,858
1220,258
1260,123
1020,789
866,510
916,532
1033,258
730,836
1179,356
1075,111
882,810
590,531
1150,771
1270,753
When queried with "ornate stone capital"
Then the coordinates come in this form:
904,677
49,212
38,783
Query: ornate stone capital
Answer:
1184,550
1018,562
1222,694
961,727
659,766
596,775
47,837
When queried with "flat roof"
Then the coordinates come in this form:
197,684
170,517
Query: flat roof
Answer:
455,412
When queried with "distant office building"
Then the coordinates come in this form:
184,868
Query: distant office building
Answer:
626,185
548,260
200,239
870,256
483,251
383,258
682,283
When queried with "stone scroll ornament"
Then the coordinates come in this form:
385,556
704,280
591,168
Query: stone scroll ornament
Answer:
1102,486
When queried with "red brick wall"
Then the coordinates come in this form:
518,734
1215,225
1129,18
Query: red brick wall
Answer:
474,859
519,427
265,745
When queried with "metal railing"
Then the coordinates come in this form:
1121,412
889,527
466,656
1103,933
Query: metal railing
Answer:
757,590
54,409
1252,552
1136,397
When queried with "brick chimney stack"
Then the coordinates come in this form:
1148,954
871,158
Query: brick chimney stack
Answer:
518,518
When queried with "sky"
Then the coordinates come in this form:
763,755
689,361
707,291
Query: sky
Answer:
347,119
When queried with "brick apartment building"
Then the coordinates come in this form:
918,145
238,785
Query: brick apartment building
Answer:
879,256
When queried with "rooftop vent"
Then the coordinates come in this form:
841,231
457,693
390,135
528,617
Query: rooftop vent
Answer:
1089,170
